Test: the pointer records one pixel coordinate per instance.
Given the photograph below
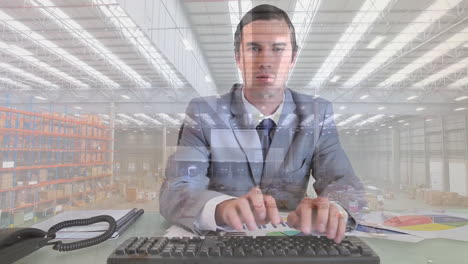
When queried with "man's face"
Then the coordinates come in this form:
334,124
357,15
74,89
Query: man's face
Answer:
265,57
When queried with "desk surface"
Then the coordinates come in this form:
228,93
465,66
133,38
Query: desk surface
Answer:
153,224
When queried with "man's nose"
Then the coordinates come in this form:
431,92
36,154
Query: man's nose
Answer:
265,59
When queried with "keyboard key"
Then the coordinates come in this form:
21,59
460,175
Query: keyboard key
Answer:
321,251
309,251
280,252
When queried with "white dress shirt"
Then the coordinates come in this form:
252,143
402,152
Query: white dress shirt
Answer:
206,220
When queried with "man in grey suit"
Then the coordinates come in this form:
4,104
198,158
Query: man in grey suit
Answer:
243,155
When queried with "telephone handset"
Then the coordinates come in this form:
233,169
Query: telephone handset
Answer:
16,243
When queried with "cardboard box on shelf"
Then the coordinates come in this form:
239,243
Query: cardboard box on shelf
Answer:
6,180
60,193
67,189
43,175
20,198
100,196
79,203
131,194
434,197
48,194
450,199
464,201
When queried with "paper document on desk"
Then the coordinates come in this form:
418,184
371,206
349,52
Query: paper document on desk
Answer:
423,223
284,229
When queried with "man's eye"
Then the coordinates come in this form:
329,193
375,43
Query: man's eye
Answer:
254,48
278,49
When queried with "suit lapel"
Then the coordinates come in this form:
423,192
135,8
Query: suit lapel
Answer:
282,139
246,135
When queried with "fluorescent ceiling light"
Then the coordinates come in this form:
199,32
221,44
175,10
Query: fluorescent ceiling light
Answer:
390,127
459,83
374,43
28,56
461,98
335,79
78,107
459,109
420,109
364,97
125,96
169,119
370,11
349,119
63,20
381,108
27,75
443,73
342,107
38,39
428,120
411,97
148,118
332,118
187,45
40,98
428,57
406,124
10,81
129,118
370,120
401,121
428,17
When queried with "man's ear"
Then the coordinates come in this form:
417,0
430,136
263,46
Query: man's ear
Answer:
293,59
237,56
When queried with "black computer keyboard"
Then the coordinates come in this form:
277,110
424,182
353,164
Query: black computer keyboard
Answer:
243,249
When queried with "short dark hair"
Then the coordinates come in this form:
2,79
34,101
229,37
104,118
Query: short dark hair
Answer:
263,12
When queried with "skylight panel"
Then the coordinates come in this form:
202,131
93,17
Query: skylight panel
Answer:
428,57
429,16
367,15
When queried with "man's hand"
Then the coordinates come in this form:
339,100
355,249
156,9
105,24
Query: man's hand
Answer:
319,215
253,209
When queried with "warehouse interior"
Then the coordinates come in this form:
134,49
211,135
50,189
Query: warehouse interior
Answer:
93,94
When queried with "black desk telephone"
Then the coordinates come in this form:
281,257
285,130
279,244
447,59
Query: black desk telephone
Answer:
16,243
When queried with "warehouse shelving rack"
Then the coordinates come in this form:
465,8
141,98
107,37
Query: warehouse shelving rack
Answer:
49,162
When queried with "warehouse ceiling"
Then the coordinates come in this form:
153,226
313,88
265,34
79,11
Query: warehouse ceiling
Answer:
377,60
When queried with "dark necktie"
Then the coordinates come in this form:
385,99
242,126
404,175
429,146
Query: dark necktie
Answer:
264,130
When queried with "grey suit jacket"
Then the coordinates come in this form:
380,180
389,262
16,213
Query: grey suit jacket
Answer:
219,152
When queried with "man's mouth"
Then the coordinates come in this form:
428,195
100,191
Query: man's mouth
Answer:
264,76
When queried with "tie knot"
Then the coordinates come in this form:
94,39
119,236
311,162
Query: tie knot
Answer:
266,124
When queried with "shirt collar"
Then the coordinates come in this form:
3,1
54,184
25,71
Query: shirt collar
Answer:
257,114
